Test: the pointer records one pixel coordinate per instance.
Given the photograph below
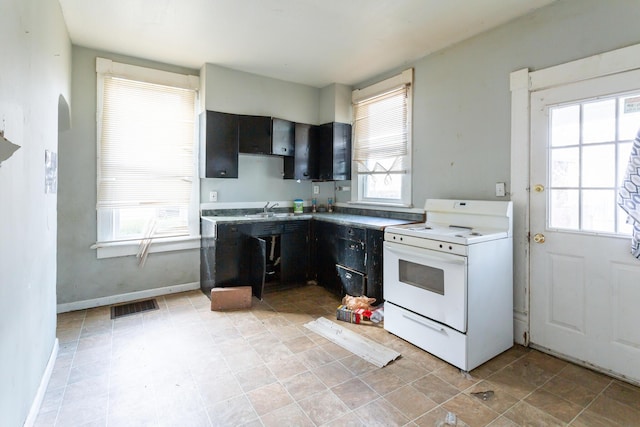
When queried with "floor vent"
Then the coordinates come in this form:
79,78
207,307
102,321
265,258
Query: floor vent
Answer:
133,308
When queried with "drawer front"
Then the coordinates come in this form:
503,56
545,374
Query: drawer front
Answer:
266,228
353,282
351,233
296,226
437,339
351,254
231,231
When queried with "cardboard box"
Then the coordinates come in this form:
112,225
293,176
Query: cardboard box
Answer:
232,298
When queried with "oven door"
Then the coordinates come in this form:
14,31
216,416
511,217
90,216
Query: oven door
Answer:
430,283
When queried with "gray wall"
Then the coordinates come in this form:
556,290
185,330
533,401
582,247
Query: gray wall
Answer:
81,276
461,128
35,70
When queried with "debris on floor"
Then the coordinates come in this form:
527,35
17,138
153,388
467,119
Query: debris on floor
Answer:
449,420
484,395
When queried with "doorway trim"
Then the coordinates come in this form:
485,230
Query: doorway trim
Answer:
522,84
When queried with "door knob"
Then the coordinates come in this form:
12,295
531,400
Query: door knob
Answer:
538,188
538,238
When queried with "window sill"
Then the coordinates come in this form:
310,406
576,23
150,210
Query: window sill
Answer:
398,207
128,248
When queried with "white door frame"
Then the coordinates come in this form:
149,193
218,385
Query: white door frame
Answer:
522,83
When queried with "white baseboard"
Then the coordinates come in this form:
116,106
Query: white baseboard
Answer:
521,328
131,296
42,388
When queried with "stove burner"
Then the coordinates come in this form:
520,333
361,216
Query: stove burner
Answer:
426,227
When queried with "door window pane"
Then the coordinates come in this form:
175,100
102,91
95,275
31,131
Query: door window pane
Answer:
629,122
565,167
599,166
564,209
565,126
599,122
598,210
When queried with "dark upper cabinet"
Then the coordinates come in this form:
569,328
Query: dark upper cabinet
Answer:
282,137
254,134
219,141
304,164
334,152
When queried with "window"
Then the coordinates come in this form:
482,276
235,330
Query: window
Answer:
589,146
382,142
147,185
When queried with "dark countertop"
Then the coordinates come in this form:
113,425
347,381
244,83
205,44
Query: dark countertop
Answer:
372,222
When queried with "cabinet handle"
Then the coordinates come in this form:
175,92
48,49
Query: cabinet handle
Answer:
223,173
305,174
348,275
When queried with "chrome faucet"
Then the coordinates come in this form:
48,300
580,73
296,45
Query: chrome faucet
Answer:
267,207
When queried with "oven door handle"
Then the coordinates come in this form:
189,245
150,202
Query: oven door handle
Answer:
411,252
424,322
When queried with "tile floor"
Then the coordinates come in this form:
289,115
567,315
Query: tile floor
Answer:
184,365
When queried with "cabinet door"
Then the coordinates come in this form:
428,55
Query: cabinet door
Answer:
334,159
283,137
294,252
254,134
228,262
255,253
341,151
219,142
306,151
325,152
326,257
375,239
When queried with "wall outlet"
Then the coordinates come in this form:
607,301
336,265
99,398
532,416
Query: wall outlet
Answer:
213,196
500,189
316,189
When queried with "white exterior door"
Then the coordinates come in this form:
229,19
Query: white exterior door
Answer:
584,283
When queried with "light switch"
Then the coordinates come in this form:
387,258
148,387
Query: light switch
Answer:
213,196
500,189
316,189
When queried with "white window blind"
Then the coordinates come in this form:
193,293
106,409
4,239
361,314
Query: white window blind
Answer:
146,159
382,141
381,133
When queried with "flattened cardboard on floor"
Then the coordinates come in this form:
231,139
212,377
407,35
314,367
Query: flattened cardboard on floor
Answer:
232,298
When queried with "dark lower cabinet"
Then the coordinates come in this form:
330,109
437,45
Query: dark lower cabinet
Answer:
344,259
349,259
241,254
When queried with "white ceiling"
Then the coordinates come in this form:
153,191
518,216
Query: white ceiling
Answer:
314,42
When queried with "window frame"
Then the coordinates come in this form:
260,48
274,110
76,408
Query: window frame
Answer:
119,248
359,178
